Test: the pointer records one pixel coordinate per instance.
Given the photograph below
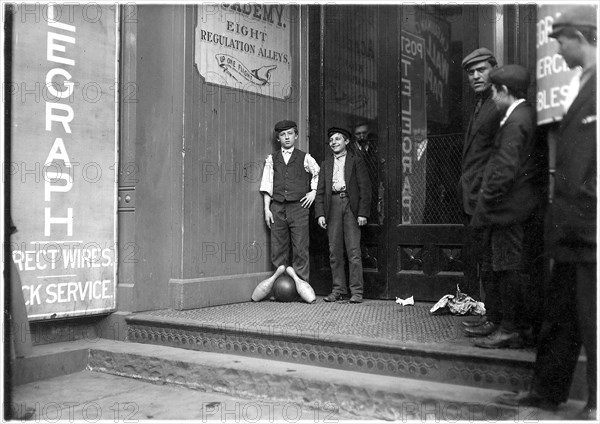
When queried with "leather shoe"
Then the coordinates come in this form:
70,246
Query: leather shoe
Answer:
475,323
500,339
356,299
526,398
483,330
332,297
588,413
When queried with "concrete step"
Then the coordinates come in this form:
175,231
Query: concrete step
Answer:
448,360
329,393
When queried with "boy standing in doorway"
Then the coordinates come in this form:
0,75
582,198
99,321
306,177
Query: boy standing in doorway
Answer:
342,206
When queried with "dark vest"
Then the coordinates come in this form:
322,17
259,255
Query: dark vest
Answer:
291,182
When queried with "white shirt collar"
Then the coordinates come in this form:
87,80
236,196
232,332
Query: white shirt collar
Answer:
510,110
290,150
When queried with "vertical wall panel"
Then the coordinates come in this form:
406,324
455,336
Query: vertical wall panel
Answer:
229,133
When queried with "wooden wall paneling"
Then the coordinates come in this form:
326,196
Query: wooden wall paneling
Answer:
159,135
231,129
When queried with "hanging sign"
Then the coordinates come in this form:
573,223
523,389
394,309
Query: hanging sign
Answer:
246,46
63,157
553,76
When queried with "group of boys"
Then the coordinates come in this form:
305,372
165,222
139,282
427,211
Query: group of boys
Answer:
502,186
341,192
501,189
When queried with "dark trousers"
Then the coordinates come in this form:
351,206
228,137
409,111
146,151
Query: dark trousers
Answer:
290,224
343,229
471,254
569,322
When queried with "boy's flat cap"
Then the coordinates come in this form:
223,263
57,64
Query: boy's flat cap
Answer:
284,125
342,131
478,55
515,77
577,16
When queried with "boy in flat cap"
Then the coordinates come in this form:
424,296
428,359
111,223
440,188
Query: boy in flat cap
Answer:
570,318
476,151
342,206
511,190
289,187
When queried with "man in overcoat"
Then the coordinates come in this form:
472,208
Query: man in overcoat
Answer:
477,148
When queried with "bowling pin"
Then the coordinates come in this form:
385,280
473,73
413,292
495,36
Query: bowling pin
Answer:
304,289
263,288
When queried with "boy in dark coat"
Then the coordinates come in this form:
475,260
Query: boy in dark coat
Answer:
510,192
342,205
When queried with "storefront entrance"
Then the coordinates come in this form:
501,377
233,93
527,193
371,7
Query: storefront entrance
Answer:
392,76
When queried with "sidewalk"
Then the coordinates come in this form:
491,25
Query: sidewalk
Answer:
89,396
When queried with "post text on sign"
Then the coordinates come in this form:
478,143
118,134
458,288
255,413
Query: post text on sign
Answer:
57,181
410,49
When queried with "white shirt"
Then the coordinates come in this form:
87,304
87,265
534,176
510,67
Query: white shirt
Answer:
510,110
310,165
338,181
573,91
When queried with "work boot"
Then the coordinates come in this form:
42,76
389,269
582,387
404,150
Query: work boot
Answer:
483,330
500,339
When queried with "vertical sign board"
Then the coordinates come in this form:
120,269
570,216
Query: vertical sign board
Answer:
246,46
351,65
414,127
436,33
553,76
63,157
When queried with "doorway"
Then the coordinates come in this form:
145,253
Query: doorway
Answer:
386,74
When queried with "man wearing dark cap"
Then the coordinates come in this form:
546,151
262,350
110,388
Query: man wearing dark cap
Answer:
342,206
289,187
510,192
570,313
476,152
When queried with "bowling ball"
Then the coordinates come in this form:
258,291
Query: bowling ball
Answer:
284,289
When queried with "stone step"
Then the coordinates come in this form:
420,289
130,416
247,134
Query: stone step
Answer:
445,361
325,391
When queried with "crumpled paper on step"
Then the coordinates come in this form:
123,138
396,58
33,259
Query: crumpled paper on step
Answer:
405,302
459,304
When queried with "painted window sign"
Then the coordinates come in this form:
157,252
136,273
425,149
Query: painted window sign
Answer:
414,127
553,76
63,157
246,46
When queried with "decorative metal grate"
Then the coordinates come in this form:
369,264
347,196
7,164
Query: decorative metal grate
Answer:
442,204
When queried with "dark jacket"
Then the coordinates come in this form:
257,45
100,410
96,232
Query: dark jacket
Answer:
511,186
358,186
572,235
476,152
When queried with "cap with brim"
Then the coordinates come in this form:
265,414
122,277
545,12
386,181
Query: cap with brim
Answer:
478,55
515,77
342,131
284,125
578,16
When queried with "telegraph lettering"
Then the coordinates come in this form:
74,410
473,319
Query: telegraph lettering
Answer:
58,117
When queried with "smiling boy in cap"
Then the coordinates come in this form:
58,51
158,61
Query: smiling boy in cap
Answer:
342,206
289,187
510,192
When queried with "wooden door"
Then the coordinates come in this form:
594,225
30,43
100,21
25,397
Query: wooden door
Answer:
374,69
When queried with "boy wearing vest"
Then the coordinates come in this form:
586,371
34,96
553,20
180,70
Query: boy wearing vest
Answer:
342,206
289,187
